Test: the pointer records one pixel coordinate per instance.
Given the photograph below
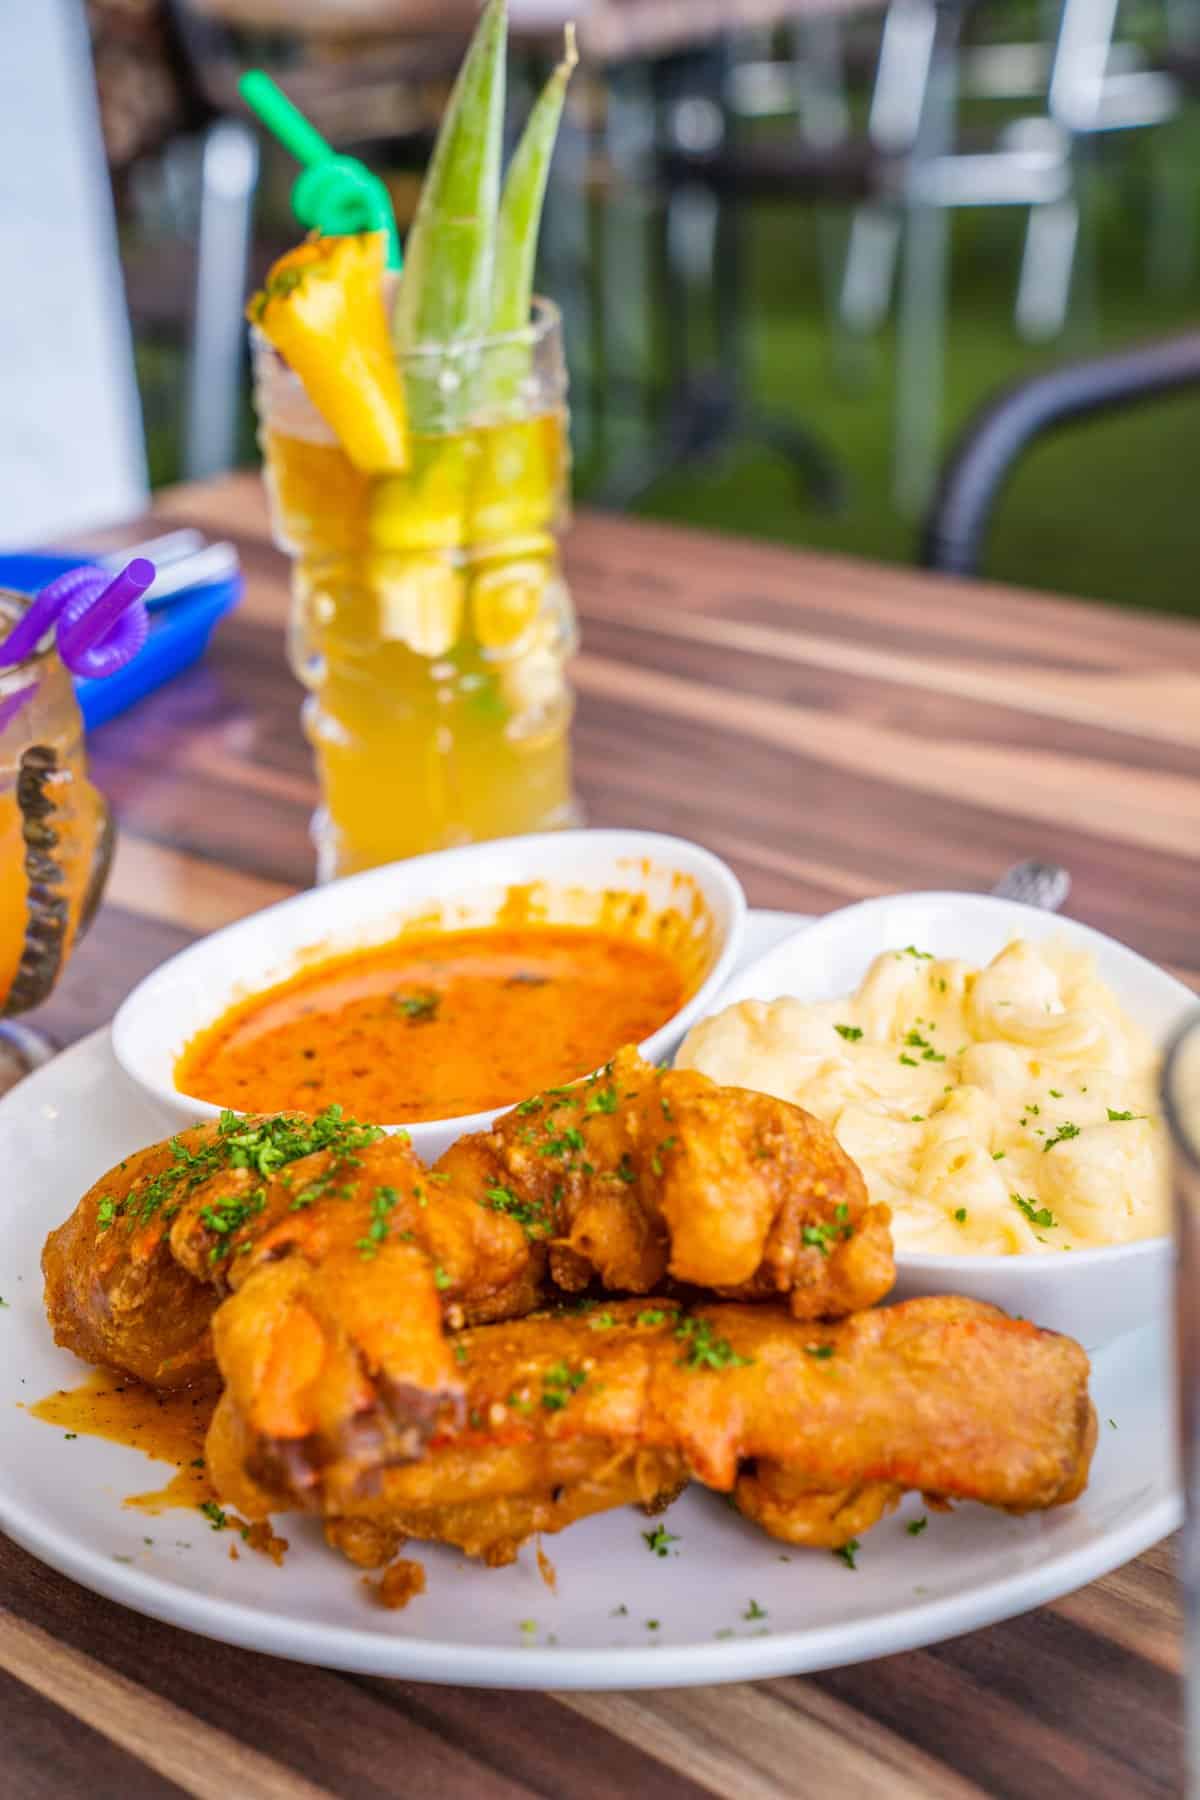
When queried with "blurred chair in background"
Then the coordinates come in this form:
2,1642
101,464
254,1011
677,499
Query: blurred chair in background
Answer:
71,450
1092,85
175,160
994,441
707,173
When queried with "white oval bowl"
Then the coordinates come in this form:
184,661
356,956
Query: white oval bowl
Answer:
467,888
1094,1295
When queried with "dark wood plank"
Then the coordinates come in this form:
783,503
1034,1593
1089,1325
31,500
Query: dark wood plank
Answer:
47,1754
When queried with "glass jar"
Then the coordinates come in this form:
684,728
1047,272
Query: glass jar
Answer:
56,835
1181,1104
430,620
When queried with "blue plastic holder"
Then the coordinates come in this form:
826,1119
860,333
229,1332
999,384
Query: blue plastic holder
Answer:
179,634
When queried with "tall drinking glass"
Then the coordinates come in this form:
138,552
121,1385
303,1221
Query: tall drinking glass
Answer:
430,620
56,838
1181,1103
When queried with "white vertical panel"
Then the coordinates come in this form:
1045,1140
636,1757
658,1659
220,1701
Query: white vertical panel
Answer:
71,446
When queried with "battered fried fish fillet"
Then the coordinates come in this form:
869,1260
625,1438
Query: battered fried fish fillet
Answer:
625,1178
816,1430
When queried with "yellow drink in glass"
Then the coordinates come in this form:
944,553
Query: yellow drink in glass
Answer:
55,830
430,620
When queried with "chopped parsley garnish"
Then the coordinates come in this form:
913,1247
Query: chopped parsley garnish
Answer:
532,1105
383,1201
1122,1118
659,1541
666,1107
528,1626
704,1351
603,1100
847,1552
755,1611
571,1139
821,1236
419,1007
460,1352
822,1352
651,1315
999,1155
228,1216
1037,1215
1061,1135
106,1212
915,1527
441,1280
602,1322
656,1162
626,1172
529,1217
960,1215
264,1148
212,1512
559,1383
1055,1094
619,1612
909,1061
851,1033
919,955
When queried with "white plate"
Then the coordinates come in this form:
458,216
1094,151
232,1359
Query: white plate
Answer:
62,1501
1094,1295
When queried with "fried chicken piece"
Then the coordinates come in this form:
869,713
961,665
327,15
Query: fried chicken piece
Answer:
815,1431
628,1177
133,1277
639,1173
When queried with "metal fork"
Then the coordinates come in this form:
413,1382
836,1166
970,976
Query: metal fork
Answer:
1041,884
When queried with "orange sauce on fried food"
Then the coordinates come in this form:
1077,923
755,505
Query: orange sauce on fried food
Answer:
171,1428
437,1024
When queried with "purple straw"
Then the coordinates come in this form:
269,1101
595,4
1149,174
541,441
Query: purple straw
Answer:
105,624
102,624
43,612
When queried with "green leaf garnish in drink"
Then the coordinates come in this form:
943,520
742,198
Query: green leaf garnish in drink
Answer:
517,230
446,289
523,199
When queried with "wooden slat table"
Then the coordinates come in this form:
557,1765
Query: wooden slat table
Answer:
835,730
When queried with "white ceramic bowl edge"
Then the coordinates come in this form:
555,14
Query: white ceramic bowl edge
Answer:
192,990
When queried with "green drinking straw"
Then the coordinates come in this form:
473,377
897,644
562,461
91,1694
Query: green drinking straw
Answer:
333,194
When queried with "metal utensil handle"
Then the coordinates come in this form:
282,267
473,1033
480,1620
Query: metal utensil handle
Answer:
1041,884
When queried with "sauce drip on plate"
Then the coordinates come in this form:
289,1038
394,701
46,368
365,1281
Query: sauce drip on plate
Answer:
168,1427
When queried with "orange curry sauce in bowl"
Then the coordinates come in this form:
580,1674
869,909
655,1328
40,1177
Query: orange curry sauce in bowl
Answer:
438,1023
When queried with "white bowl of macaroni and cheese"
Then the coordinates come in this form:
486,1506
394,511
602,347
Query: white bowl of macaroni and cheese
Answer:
993,1070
